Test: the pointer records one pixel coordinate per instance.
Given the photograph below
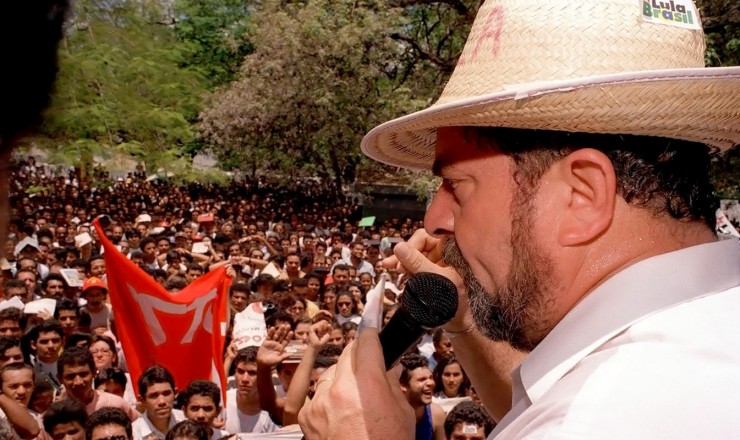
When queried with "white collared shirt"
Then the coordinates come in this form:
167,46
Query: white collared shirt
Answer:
652,353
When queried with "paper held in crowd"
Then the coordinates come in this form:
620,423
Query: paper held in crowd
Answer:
72,277
249,327
270,269
372,316
200,248
44,304
12,302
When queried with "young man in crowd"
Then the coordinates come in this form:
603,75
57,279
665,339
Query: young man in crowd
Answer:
157,393
53,286
10,322
468,421
243,411
67,313
10,350
417,385
16,381
65,420
108,423
46,341
201,403
76,372
96,267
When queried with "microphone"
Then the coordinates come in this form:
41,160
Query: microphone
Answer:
429,300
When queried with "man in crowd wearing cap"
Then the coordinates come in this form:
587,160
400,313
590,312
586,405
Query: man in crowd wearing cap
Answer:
95,292
576,218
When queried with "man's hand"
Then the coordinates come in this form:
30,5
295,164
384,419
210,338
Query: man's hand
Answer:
319,334
272,350
423,253
358,393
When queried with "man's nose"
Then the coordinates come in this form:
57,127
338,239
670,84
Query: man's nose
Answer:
439,220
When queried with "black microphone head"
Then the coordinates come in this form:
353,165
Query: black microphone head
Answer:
429,299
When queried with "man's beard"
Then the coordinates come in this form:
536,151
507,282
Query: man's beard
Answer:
517,311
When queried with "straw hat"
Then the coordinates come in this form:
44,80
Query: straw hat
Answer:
594,66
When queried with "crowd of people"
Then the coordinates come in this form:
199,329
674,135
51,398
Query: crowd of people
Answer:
294,246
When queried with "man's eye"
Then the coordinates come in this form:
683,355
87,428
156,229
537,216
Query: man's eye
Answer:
449,183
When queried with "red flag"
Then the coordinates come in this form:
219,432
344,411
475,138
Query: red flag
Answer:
183,332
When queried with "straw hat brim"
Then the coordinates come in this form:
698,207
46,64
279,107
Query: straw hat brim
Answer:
699,105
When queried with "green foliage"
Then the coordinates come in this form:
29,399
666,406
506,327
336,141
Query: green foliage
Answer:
121,90
721,22
216,31
317,81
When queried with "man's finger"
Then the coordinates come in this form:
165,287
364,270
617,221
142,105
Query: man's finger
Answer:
368,354
414,261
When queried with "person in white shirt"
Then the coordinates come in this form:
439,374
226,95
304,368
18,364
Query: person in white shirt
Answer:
576,218
243,411
201,403
157,393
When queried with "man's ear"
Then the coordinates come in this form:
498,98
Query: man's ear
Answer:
589,183
33,345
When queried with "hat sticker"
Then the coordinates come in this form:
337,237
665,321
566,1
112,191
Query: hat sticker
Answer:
678,13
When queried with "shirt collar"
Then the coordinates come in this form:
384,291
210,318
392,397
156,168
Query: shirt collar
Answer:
642,289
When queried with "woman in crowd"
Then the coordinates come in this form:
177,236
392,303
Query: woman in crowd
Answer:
346,308
450,380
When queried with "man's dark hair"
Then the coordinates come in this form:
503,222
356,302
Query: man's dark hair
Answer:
108,416
410,362
14,283
52,277
246,354
75,338
187,429
8,342
239,287
342,267
66,304
195,266
279,315
113,373
11,314
324,361
88,263
664,176
145,241
48,326
78,262
152,376
468,412
330,351
263,278
176,282
65,411
299,282
75,357
16,366
204,388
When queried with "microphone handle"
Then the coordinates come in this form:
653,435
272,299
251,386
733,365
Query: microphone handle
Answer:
396,338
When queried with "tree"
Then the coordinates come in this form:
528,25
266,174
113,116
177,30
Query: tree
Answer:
121,90
322,74
216,31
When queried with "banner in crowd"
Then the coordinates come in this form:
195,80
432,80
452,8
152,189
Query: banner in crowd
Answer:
183,331
249,327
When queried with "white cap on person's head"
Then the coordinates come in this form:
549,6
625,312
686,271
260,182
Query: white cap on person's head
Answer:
607,66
